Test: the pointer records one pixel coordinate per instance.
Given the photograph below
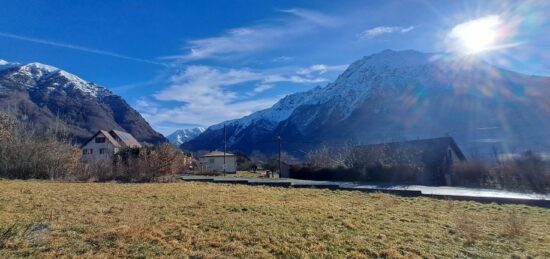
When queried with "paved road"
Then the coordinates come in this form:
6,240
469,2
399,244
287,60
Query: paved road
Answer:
424,190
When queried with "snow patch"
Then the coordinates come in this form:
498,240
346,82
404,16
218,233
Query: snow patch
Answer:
181,136
349,91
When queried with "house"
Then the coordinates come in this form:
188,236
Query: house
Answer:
286,166
426,161
104,144
214,162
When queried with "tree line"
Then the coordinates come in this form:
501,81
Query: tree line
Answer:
29,153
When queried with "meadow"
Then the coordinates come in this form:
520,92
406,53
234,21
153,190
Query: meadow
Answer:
44,219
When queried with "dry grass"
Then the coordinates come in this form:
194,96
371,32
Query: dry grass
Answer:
246,174
48,220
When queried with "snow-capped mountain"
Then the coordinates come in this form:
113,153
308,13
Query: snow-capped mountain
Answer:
400,95
181,136
41,93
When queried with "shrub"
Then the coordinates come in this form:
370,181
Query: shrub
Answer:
469,226
514,225
28,153
471,173
526,172
148,164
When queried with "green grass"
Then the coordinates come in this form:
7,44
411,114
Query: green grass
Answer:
49,220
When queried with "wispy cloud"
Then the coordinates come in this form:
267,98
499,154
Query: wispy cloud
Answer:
207,84
320,69
206,115
79,48
314,17
252,39
282,59
204,85
263,87
381,30
208,95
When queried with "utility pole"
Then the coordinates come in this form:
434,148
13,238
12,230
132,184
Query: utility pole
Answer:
224,148
279,138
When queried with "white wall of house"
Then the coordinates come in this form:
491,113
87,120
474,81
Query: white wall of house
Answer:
99,148
215,163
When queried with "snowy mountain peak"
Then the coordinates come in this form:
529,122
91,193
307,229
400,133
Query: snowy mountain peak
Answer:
400,95
40,66
395,59
181,136
348,90
3,62
40,76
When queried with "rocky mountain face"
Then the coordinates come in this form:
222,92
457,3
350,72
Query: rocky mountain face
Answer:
47,96
402,95
181,136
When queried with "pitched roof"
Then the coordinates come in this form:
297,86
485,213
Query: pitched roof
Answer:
216,154
426,151
126,139
107,136
117,138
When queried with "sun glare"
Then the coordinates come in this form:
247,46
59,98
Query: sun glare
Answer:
477,35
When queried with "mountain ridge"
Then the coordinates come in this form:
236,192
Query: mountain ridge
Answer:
41,94
181,136
398,95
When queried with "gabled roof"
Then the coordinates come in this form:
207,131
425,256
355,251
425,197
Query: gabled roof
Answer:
126,139
117,138
217,154
107,136
427,151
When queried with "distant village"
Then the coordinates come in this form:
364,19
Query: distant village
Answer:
423,161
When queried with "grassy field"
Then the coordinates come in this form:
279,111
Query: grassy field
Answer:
201,220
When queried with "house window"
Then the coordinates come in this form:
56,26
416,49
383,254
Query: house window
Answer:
211,160
91,151
84,151
100,140
103,150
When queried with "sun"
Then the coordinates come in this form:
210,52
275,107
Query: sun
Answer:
477,35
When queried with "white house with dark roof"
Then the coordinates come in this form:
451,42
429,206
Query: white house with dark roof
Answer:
214,162
104,144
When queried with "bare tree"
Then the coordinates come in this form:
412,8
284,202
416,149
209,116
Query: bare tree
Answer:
5,125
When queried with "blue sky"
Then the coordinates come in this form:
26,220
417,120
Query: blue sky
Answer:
189,63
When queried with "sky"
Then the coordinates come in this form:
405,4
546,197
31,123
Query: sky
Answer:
184,64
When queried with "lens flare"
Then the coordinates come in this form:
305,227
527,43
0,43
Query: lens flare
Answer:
477,35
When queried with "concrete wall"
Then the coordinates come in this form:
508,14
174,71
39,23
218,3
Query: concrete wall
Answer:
216,163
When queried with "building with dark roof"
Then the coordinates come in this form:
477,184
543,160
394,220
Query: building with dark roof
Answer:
104,144
425,161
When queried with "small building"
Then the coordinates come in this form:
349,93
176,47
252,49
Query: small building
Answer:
214,162
104,144
425,161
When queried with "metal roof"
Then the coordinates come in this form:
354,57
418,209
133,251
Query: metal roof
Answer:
217,154
126,138
117,138
107,136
